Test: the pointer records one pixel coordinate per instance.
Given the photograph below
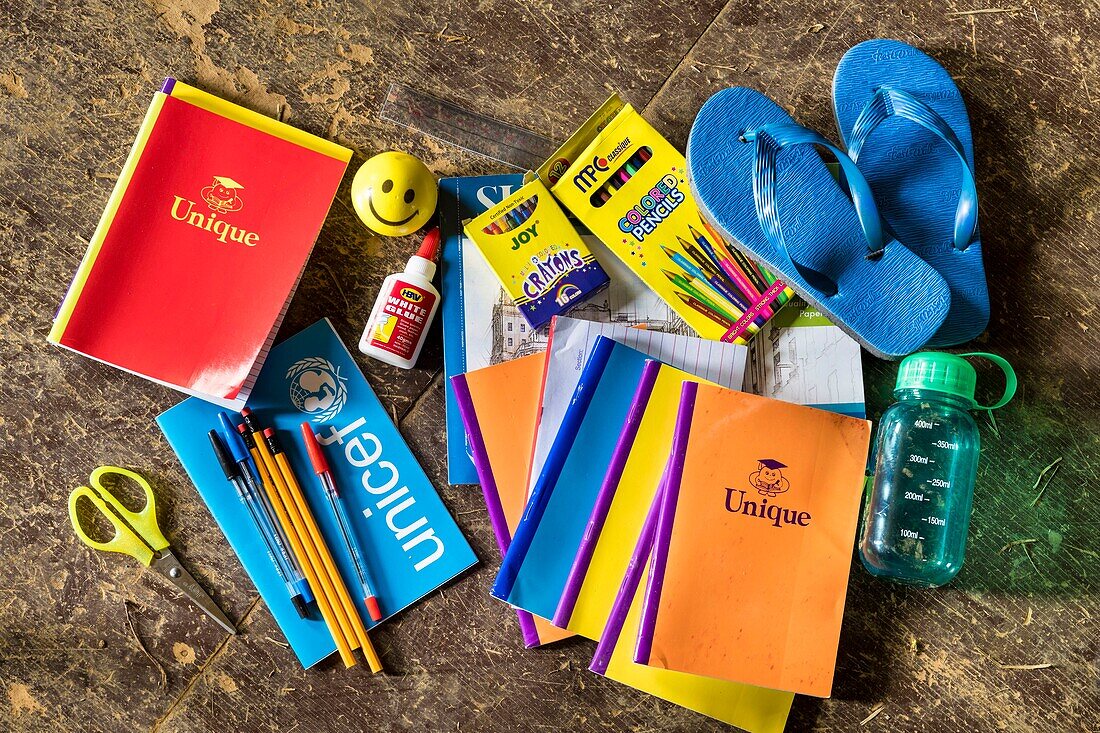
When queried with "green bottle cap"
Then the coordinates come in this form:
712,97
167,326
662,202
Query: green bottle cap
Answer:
951,374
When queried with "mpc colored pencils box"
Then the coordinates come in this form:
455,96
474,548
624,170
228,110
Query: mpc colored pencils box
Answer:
628,185
536,253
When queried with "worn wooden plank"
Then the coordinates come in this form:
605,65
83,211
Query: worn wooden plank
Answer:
72,91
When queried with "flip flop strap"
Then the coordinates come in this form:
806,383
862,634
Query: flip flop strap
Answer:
773,138
887,102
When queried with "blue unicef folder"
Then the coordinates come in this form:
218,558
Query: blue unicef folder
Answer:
464,273
411,542
538,561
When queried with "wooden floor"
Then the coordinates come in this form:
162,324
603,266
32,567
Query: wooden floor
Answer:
92,642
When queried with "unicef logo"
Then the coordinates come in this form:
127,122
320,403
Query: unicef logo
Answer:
316,388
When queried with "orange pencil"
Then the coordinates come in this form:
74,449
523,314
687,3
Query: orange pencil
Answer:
299,546
700,307
335,582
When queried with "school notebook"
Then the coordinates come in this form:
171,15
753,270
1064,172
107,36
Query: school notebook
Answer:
201,246
472,291
411,543
835,380
536,567
756,709
620,507
753,542
498,405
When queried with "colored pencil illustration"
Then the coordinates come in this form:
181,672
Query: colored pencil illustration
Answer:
769,278
708,267
716,284
694,304
685,283
750,268
736,273
699,258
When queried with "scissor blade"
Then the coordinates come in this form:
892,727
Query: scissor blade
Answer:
170,567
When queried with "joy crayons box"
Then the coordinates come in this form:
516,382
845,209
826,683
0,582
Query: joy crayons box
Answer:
626,183
536,253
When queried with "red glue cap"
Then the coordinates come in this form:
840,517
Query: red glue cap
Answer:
430,245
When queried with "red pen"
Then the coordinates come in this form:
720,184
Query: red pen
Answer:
320,467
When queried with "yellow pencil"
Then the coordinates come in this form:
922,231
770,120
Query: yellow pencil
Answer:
341,592
276,488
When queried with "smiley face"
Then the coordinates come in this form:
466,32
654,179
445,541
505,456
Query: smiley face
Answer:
394,193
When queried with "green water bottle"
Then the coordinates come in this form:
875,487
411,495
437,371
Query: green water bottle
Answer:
926,461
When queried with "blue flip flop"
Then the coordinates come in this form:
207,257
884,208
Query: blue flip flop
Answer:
759,181
904,123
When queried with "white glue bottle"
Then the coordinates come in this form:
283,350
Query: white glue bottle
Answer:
404,310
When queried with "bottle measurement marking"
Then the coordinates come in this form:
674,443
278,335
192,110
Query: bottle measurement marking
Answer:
915,458
938,483
924,424
936,521
914,496
909,534
946,445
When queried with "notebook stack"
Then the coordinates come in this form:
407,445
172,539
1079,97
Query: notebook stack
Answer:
696,532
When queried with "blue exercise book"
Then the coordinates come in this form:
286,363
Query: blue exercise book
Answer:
464,274
411,543
536,568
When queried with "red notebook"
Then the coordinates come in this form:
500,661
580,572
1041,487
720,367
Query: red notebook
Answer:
192,266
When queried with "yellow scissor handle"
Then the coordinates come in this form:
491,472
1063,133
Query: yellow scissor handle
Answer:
144,521
124,541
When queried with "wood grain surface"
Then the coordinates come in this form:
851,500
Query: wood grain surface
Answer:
1012,645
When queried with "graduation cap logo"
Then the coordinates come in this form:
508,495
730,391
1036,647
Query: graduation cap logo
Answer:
223,195
768,478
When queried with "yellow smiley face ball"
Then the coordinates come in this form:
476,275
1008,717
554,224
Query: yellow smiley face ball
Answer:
394,193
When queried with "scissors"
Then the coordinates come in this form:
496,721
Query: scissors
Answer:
138,535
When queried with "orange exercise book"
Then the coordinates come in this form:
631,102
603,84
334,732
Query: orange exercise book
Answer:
754,541
499,407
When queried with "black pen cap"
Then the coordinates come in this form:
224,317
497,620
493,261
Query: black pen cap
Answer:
227,464
300,606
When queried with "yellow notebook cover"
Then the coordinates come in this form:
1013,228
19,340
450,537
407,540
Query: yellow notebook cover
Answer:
623,503
754,541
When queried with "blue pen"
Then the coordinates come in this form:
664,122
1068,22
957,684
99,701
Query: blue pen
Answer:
264,516
233,475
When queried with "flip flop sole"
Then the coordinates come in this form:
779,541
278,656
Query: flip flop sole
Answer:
914,174
891,304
